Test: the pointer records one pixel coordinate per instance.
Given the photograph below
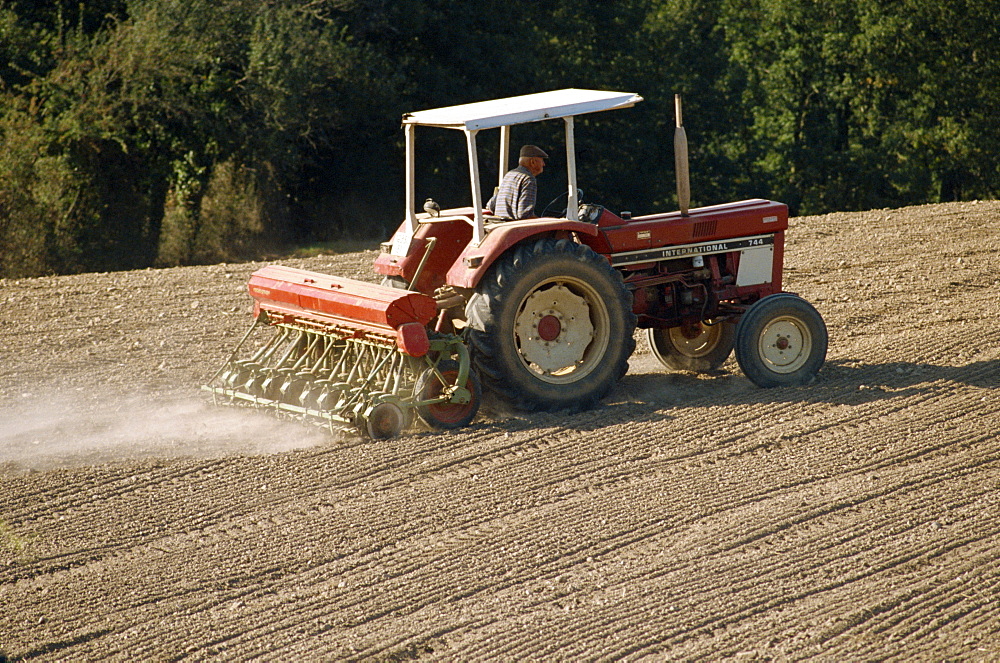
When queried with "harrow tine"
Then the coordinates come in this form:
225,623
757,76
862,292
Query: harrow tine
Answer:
309,348
266,351
371,376
390,375
232,355
328,347
359,359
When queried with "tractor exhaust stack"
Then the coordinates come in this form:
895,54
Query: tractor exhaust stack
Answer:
681,160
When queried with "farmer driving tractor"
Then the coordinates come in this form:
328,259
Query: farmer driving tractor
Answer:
515,197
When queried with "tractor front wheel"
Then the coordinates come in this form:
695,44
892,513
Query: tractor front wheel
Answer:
781,341
700,348
551,326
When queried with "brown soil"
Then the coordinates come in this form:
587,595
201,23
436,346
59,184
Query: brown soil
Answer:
689,517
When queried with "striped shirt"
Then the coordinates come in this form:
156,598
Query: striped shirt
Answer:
515,199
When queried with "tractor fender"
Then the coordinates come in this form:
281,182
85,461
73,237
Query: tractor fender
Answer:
467,271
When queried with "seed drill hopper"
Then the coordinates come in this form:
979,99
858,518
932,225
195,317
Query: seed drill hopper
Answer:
543,310
347,352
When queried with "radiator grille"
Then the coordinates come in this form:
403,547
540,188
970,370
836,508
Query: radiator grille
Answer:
704,228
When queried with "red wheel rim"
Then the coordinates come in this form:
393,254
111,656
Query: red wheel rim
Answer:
446,413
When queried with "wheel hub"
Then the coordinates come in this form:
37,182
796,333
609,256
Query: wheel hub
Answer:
695,340
549,328
553,329
785,344
692,332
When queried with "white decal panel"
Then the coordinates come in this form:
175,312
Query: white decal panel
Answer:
756,266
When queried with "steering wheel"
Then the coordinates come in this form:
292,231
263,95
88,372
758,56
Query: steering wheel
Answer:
564,194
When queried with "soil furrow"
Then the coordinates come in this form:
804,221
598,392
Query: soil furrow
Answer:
690,517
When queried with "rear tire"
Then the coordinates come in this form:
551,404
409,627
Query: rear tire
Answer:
698,348
551,327
781,341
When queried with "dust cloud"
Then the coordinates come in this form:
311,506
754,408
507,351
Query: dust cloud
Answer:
72,431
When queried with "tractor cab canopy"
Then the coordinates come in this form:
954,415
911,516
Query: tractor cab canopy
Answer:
502,114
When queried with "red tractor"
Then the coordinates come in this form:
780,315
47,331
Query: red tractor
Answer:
542,311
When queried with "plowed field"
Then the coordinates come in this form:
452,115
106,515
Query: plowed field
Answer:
689,517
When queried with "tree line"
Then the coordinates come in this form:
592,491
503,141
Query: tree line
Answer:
137,133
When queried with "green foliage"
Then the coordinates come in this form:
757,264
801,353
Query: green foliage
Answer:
801,78
860,104
167,132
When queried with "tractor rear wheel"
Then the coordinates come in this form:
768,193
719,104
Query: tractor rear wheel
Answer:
551,326
781,341
699,347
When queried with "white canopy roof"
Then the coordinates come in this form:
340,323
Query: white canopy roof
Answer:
518,110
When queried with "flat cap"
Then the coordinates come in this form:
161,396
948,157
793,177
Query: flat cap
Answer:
532,151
